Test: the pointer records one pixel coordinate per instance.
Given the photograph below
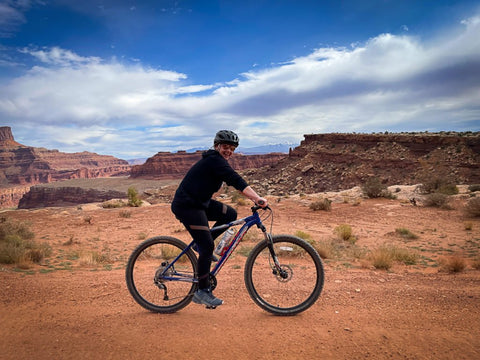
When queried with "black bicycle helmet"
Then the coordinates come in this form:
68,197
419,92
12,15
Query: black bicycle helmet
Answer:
226,137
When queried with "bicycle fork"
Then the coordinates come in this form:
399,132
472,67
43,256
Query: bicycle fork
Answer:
276,267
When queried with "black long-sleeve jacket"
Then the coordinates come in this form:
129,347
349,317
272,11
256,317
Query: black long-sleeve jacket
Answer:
205,178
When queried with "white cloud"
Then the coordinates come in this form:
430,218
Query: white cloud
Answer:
58,56
388,83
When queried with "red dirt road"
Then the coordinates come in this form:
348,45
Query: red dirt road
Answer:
86,312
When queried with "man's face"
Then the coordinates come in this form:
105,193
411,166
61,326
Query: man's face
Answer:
226,150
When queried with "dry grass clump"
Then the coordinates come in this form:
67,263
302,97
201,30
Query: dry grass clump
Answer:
321,204
406,234
453,264
93,258
303,235
114,204
326,249
238,199
17,245
472,208
344,232
125,214
386,255
468,225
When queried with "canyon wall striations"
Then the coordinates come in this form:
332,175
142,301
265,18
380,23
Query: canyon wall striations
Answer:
322,162
23,166
331,162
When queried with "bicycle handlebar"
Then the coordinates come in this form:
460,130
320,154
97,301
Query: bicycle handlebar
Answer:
258,207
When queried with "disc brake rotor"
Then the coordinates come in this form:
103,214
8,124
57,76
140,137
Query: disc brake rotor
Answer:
285,274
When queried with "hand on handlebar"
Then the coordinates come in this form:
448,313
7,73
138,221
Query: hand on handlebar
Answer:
262,202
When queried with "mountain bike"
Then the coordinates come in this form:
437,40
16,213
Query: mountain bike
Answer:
283,274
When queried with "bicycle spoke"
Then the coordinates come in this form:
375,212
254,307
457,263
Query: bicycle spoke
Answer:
156,286
293,287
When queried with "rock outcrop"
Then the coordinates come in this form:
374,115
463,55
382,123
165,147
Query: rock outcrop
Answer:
322,162
330,162
10,196
45,196
22,166
176,165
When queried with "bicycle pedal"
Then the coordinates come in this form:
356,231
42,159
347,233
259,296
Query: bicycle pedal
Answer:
210,307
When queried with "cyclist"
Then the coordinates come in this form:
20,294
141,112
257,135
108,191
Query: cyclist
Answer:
194,207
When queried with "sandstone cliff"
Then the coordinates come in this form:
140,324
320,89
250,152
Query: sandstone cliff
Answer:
45,196
176,165
329,162
322,162
22,166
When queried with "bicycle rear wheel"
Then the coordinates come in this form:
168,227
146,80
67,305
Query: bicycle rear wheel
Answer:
293,289
166,293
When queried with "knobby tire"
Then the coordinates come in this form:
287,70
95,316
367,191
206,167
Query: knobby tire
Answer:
302,280
146,260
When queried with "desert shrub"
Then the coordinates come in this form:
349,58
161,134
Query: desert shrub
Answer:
381,258
10,227
344,232
468,225
17,245
38,252
125,214
326,250
374,188
303,235
321,204
133,199
384,256
404,256
239,199
438,184
453,264
113,204
437,200
474,187
92,258
472,208
405,233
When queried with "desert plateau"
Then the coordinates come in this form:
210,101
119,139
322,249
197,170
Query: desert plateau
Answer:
402,283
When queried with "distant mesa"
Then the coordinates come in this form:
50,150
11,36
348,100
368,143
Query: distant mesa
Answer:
23,166
175,165
322,162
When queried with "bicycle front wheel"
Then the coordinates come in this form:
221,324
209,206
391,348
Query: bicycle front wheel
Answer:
153,287
293,288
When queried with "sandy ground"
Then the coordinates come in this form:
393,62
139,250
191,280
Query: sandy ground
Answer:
71,307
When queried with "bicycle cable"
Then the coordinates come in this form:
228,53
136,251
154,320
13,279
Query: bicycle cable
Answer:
268,215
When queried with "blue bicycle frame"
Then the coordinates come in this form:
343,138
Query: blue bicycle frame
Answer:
169,273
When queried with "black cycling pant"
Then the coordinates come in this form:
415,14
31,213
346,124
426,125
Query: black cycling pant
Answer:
196,222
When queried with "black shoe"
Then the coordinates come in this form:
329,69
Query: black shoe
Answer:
195,248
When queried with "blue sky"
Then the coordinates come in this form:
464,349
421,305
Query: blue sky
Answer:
131,78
